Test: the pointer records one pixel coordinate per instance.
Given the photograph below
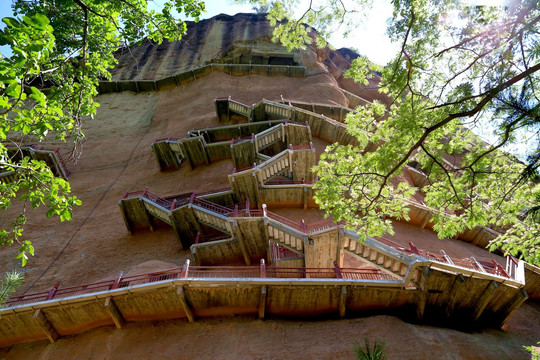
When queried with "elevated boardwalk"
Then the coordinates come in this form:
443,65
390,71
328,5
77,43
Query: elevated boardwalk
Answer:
52,158
245,144
438,292
198,72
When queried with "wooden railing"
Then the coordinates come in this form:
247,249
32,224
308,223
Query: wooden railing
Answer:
60,163
481,265
199,272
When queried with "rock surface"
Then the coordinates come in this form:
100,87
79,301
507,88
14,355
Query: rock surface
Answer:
117,157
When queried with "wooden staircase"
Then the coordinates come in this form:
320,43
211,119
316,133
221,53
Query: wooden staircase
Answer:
279,235
383,257
212,219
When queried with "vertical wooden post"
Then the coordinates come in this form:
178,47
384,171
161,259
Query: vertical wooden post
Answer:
337,269
235,211
262,269
484,299
192,197
303,225
262,302
185,269
414,249
145,191
116,283
51,293
447,258
265,212
185,304
46,325
342,302
116,315
241,241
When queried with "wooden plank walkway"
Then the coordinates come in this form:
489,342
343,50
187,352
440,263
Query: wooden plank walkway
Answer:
436,292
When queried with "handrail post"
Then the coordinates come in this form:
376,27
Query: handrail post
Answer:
197,238
303,225
265,212
478,265
173,204
247,205
499,268
192,197
117,280
235,211
447,258
145,191
262,269
185,269
51,293
337,269
413,249
125,194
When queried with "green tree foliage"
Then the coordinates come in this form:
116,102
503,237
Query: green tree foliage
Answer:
61,49
458,66
12,281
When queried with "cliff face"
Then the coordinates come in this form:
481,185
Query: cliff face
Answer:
117,157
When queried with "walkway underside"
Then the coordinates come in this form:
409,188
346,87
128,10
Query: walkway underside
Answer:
428,292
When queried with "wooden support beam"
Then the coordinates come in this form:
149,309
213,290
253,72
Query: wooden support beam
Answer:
46,325
262,302
455,293
512,306
342,302
425,220
176,229
422,294
240,238
116,315
484,299
129,227
185,305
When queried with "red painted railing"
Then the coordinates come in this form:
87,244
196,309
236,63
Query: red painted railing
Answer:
488,265
482,265
278,252
170,138
205,272
56,153
220,209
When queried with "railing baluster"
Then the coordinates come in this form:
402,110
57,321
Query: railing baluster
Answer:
337,269
185,269
262,270
51,293
117,280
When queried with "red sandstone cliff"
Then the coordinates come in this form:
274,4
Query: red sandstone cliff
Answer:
117,157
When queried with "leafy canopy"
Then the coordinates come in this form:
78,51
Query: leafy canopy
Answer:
61,49
458,67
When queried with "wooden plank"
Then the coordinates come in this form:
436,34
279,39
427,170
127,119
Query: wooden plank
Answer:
47,327
116,315
262,302
342,302
484,300
242,243
512,306
457,287
185,305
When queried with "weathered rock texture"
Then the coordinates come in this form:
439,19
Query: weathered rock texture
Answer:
117,157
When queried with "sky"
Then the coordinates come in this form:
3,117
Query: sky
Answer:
368,38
